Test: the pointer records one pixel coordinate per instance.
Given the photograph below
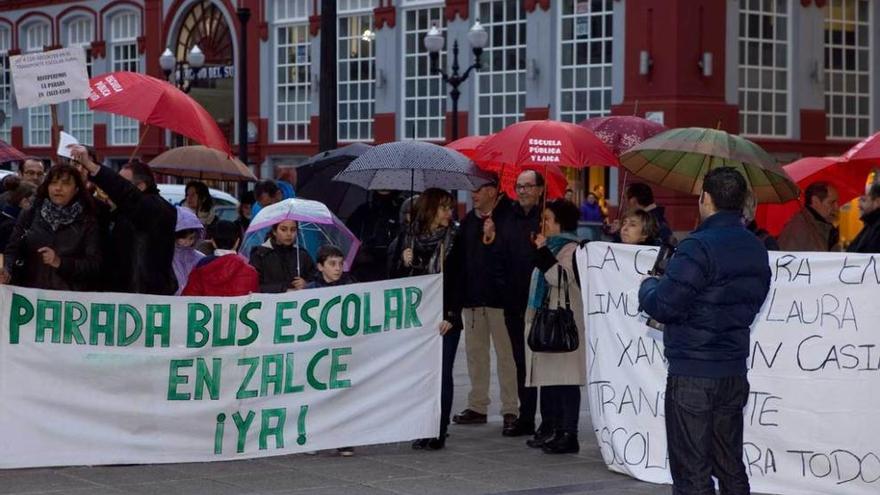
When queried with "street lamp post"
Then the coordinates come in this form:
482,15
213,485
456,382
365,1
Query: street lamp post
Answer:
195,59
434,40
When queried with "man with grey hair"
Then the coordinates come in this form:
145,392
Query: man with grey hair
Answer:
812,228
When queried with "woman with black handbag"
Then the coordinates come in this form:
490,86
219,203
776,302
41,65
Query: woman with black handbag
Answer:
556,350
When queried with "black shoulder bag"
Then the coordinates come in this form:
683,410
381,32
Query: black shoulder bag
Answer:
554,330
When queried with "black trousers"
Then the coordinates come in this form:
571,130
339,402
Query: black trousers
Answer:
450,346
528,396
560,407
704,431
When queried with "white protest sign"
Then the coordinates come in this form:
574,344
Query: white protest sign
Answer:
99,378
47,78
812,413
65,141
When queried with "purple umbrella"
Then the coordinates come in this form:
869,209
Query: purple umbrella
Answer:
622,132
318,226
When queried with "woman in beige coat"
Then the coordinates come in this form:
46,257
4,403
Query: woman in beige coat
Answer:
559,375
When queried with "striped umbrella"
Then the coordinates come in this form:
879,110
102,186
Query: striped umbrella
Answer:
9,154
678,159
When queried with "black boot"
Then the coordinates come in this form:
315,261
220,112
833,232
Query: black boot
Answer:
563,443
544,434
420,444
519,428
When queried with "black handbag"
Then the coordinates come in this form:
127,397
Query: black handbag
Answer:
554,330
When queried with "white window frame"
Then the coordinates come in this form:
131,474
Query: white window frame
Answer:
348,7
78,110
39,118
745,91
434,81
344,100
5,83
124,126
831,90
487,74
574,115
298,21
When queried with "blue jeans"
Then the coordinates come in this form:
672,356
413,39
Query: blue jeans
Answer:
704,431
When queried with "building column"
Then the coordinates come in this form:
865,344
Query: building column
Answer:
388,51
808,116
542,38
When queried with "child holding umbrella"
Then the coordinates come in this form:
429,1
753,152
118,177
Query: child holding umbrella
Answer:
283,266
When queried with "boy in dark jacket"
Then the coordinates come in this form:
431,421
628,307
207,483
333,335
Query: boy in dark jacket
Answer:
330,268
713,288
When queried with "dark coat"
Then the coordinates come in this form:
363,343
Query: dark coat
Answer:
8,218
277,266
452,270
377,225
665,231
319,282
139,237
714,286
515,252
769,241
482,274
868,240
77,244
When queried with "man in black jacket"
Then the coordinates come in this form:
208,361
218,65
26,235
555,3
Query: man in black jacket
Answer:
515,251
868,240
714,286
142,231
483,312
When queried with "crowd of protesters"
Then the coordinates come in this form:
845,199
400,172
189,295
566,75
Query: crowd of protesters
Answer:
84,226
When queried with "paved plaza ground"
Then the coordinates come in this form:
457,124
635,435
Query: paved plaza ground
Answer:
477,460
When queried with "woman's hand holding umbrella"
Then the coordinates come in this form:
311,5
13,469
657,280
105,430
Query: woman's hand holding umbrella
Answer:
298,284
407,257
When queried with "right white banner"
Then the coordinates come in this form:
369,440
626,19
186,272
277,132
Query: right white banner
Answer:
812,423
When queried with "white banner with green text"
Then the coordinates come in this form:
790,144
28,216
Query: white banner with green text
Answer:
100,378
811,419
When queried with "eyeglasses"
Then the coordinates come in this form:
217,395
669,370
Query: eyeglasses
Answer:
525,187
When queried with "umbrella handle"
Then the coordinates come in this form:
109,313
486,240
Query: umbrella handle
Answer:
298,270
138,145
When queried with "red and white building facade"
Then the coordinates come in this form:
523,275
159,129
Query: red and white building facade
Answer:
797,76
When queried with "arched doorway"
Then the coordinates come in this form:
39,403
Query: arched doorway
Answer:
214,85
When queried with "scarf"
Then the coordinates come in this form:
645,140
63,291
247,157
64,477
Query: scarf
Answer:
56,216
539,288
430,250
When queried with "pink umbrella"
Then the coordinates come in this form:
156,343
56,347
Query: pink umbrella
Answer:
622,132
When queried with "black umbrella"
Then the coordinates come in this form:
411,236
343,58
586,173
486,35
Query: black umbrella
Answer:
315,180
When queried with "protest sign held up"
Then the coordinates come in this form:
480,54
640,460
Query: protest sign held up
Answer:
814,370
201,379
49,78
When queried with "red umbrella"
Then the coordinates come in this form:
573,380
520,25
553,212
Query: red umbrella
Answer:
10,154
622,132
155,102
867,149
467,146
847,177
545,142
507,174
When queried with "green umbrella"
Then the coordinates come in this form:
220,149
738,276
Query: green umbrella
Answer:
678,159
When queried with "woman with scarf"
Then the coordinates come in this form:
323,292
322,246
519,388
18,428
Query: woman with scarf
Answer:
189,231
559,375
56,243
429,246
283,266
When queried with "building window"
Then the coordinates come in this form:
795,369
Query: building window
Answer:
424,96
501,88
293,90
585,65
356,80
848,68
764,40
5,85
355,6
125,27
80,33
37,37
